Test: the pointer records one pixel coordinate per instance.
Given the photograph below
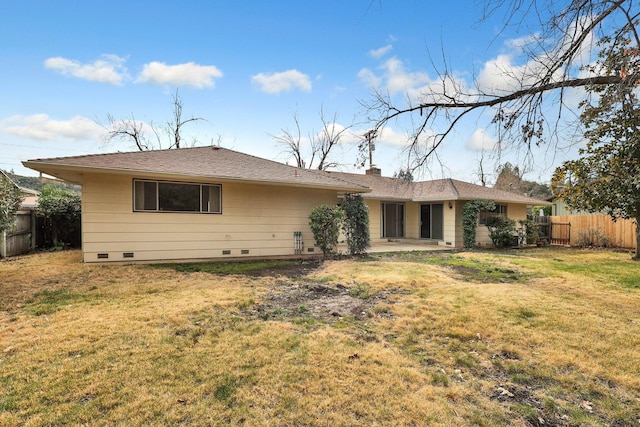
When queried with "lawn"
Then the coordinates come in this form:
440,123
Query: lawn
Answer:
520,338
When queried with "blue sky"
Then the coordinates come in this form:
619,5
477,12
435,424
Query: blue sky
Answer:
247,67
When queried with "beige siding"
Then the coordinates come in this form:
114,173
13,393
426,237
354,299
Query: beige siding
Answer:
375,220
514,211
450,230
412,220
260,219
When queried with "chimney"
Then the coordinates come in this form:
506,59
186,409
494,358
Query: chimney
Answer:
374,171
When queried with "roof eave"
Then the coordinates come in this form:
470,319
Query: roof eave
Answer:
75,174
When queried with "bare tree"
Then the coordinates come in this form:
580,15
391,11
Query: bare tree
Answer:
292,142
528,112
127,129
319,146
137,131
482,175
174,127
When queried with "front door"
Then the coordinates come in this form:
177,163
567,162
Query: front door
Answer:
431,221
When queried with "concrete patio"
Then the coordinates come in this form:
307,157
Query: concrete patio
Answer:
402,245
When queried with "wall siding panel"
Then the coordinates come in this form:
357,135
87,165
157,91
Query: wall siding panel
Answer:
257,218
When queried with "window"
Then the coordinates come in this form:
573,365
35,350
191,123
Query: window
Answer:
499,210
160,196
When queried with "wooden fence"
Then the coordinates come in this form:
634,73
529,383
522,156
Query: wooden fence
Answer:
20,238
621,233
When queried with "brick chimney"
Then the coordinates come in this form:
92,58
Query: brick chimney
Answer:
374,171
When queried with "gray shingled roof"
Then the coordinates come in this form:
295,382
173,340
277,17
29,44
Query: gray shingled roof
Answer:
385,188
221,163
205,162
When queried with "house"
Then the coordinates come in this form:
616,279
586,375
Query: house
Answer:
431,210
211,202
192,203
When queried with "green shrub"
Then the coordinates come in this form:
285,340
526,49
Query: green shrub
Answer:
10,200
61,208
501,230
356,224
470,211
530,231
324,222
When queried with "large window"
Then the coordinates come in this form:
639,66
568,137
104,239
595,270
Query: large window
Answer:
499,210
161,196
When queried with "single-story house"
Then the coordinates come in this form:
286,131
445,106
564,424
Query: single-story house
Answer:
431,210
212,202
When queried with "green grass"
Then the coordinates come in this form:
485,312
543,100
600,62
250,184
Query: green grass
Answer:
605,267
48,302
469,269
235,267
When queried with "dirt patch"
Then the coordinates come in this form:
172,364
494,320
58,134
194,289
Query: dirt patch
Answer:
323,302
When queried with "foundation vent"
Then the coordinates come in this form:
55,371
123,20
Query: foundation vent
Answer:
103,256
244,252
127,255
309,249
226,252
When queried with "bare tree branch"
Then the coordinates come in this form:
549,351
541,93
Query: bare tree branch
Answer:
522,115
134,130
291,142
321,145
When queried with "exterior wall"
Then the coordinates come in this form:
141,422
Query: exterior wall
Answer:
412,220
514,211
451,229
560,208
256,220
375,220
452,222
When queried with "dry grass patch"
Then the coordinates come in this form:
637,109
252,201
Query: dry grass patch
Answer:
477,338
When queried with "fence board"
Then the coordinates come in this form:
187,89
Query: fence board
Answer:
19,238
622,233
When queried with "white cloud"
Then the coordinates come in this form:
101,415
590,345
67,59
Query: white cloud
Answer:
395,78
480,141
369,78
399,80
108,69
380,52
282,82
188,74
523,42
387,136
44,128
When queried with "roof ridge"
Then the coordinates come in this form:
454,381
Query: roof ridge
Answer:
453,186
112,153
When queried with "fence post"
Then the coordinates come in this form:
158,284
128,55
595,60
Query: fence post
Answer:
3,244
33,229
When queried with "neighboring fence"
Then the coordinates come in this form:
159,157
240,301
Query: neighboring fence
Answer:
21,238
552,231
621,233
31,231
